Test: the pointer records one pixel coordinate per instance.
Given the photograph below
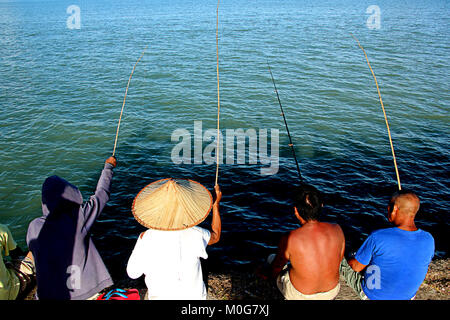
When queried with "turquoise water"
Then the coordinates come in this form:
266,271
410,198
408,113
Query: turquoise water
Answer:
61,91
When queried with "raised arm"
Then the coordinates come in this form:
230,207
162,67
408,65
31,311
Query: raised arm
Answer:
216,224
94,206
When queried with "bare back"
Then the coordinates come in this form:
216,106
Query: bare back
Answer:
315,251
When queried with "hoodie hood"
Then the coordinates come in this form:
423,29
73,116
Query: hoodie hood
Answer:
68,265
58,195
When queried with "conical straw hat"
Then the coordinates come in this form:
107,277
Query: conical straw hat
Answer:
172,204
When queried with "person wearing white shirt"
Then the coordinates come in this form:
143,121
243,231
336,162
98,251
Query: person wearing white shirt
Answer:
170,259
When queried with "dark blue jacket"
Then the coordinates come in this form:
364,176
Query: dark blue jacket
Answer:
68,266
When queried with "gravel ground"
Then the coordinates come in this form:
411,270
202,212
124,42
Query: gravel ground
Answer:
246,286
234,285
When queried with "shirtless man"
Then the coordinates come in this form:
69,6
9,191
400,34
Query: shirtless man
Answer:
314,251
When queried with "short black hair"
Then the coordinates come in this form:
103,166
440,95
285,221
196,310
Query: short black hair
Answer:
308,201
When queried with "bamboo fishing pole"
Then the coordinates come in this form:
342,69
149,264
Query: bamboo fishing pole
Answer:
218,94
285,123
124,99
384,112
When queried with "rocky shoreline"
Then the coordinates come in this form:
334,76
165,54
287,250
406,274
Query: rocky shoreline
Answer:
248,286
241,285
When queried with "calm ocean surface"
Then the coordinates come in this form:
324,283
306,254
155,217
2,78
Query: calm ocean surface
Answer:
61,91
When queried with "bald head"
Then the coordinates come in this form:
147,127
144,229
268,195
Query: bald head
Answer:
407,202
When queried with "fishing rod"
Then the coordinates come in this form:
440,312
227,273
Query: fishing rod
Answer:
285,123
123,104
218,94
384,112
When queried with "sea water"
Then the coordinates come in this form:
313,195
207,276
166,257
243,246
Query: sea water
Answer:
63,74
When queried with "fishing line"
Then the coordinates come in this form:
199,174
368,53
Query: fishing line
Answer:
218,94
123,105
285,123
384,112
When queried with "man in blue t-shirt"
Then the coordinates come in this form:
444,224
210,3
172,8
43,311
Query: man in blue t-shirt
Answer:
395,260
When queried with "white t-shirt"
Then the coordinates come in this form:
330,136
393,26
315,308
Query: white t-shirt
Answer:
170,262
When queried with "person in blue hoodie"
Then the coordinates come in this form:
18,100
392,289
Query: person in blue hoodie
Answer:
392,263
68,265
